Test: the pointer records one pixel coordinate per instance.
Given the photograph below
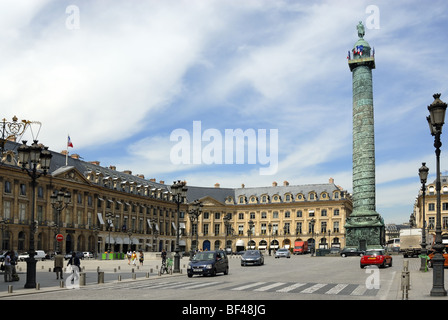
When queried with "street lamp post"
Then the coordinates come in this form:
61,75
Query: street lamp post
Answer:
60,201
269,229
109,217
194,218
312,222
249,232
436,120
423,174
226,230
30,157
179,190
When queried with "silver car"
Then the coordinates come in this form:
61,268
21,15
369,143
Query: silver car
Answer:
282,253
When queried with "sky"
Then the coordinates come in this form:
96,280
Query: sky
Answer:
159,87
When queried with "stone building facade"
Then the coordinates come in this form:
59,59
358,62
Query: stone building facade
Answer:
119,211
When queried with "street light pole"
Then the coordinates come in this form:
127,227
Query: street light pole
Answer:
436,120
194,218
423,174
179,190
269,245
60,201
30,157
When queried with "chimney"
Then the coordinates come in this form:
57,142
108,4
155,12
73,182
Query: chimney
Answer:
127,171
331,181
242,185
274,184
217,185
75,156
97,163
285,183
152,180
113,168
64,152
162,182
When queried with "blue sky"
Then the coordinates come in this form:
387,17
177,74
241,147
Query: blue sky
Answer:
121,76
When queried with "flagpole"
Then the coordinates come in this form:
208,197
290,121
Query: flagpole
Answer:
66,153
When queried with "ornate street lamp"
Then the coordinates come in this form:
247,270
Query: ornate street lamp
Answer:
269,229
194,217
30,157
312,222
249,232
110,224
227,228
423,174
179,190
60,201
436,120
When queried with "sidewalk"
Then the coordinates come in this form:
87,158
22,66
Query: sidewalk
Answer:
113,270
420,283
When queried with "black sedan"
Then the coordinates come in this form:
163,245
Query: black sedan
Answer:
351,252
254,257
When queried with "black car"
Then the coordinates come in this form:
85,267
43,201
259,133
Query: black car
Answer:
254,257
351,252
79,254
208,263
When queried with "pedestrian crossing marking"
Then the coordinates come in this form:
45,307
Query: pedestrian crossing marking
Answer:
313,288
336,289
291,287
261,286
249,286
271,286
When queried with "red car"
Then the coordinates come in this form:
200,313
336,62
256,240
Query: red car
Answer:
377,257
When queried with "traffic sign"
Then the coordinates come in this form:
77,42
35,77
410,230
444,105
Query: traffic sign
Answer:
59,237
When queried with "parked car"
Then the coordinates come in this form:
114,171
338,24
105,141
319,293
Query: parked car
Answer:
283,252
254,257
377,257
208,263
349,251
39,255
2,256
80,255
88,255
431,255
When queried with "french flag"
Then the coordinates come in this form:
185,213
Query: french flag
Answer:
69,143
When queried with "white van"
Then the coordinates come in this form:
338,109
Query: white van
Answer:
40,255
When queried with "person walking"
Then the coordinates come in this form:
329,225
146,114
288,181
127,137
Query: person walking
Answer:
134,258
8,267
141,258
129,255
58,265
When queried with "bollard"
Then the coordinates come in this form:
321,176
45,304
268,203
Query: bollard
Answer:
115,270
82,278
37,286
9,289
134,276
119,277
151,270
147,274
49,269
405,281
132,270
61,284
100,277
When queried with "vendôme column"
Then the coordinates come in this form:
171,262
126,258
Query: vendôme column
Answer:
364,227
